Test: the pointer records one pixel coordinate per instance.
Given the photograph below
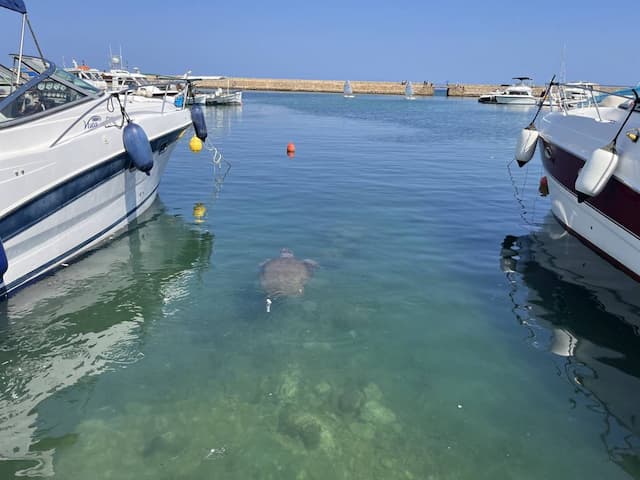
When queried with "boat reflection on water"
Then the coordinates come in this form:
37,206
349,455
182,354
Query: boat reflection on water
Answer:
578,306
223,118
86,319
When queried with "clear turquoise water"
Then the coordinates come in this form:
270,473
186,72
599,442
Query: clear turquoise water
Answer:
451,331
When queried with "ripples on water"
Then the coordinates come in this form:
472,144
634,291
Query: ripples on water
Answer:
450,332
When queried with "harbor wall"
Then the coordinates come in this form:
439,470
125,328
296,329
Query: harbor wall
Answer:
320,86
360,87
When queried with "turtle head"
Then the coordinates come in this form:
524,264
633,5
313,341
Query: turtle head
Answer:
286,253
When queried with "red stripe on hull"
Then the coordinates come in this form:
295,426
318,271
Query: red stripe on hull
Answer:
618,202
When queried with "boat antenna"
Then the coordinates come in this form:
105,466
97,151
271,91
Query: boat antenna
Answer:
563,64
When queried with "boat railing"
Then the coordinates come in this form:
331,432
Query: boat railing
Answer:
110,96
107,98
570,96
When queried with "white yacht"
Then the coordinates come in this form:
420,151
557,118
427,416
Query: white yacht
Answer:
590,155
77,164
117,77
92,76
520,93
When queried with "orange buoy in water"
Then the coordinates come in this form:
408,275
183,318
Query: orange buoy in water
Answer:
291,148
543,188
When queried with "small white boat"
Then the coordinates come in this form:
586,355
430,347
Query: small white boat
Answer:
590,155
77,164
348,91
520,93
408,91
222,97
197,99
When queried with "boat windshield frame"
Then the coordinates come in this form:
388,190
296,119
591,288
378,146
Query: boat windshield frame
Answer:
54,89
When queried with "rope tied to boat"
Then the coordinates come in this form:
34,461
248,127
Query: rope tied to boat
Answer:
526,214
123,110
217,155
218,174
111,107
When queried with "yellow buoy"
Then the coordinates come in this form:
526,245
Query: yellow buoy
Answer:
195,144
199,211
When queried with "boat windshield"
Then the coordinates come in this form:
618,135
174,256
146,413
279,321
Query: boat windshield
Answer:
40,87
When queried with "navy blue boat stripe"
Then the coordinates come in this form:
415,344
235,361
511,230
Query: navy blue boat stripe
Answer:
61,195
34,274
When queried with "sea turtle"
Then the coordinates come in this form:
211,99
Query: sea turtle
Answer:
285,275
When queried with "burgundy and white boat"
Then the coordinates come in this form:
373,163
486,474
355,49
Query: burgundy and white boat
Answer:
591,159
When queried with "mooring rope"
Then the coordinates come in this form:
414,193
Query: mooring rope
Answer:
518,194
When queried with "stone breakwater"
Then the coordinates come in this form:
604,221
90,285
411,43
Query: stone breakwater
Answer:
420,88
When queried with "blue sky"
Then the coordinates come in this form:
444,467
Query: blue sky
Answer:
457,41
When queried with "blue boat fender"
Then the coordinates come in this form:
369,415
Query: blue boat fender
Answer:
4,263
137,145
199,124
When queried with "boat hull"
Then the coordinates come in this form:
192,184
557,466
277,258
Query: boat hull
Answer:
487,99
608,222
232,98
70,221
515,100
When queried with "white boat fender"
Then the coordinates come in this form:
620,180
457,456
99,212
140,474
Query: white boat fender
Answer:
4,263
595,174
137,145
199,124
526,145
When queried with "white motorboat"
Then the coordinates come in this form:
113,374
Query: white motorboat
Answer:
77,164
118,77
92,76
347,90
590,156
222,97
491,96
197,99
520,93
139,84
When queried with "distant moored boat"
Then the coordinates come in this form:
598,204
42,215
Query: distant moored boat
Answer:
348,91
408,91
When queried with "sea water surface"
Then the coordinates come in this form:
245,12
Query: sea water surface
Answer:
451,331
